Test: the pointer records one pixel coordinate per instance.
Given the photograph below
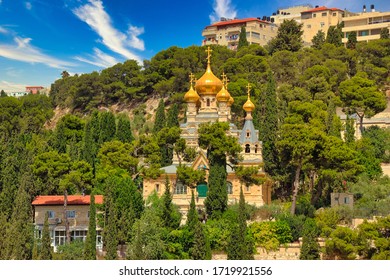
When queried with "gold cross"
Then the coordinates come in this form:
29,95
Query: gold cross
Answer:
208,54
191,78
224,78
249,90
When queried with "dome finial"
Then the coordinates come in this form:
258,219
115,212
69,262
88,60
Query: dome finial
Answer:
249,106
209,50
249,91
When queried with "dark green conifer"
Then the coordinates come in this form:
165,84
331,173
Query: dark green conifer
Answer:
123,130
216,200
160,121
173,116
90,242
242,40
107,127
201,246
45,248
167,216
192,215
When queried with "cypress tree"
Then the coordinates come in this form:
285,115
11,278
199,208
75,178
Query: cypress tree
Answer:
123,130
160,121
242,40
269,127
240,247
167,216
192,215
73,148
349,130
45,248
111,240
88,145
173,116
216,200
107,127
201,246
90,242
3,94
335,35
352,40
310,249
20,233
318,40
59,138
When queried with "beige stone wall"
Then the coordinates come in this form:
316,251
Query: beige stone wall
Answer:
81,218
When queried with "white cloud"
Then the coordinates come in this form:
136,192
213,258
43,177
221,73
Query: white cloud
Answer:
22,50
2,29
222,8
97,18
11,87
28,5
99,59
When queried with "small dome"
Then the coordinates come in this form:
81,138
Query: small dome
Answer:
223,95
248,106
208,83
191,96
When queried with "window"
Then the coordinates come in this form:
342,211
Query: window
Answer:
256,35
208,102
59,238
247,188
50,214
324,14
248,134
247,149
363,33
314,15
334,14
71,214
308,26
229,186
256,147
322,24
180,188
157,188
346,200
78,235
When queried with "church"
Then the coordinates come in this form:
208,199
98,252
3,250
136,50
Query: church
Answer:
211,102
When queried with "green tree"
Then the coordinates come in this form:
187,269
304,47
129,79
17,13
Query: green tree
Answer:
173,116
318,40
110,228
90,242
192,215
123,129
3,94
45,248
289,37
360,95
349,130
335,35
385,33
240,246
352,40
201,246
342,244
168,215
242,40
310,249
107,127
160,121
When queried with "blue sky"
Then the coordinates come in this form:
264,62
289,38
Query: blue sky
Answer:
41,38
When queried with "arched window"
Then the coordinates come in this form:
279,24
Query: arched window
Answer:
256,149
247,149
208,102
180,188
157,188
229,186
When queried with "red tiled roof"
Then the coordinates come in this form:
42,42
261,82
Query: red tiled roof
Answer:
322,8
236,21
72,200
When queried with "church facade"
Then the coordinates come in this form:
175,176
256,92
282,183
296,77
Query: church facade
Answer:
210,102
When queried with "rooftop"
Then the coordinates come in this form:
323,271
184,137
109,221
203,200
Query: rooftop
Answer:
320,9
72,200
237,21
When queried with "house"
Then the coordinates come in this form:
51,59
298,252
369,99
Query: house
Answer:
76,213
211,102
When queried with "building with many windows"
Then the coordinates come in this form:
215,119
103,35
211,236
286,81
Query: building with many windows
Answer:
319,18
289,13
227,32
211,102
367,25
76,213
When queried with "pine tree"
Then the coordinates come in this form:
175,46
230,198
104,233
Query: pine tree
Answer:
45,248
242,40
90,242
123,130
240,247
385,33
269,127
160,121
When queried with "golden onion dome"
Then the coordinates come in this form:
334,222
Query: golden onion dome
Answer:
208,83
249,106
231,101
223,95
191,96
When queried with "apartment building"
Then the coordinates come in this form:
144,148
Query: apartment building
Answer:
227,32
367,24
289,13
76,213
319,18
